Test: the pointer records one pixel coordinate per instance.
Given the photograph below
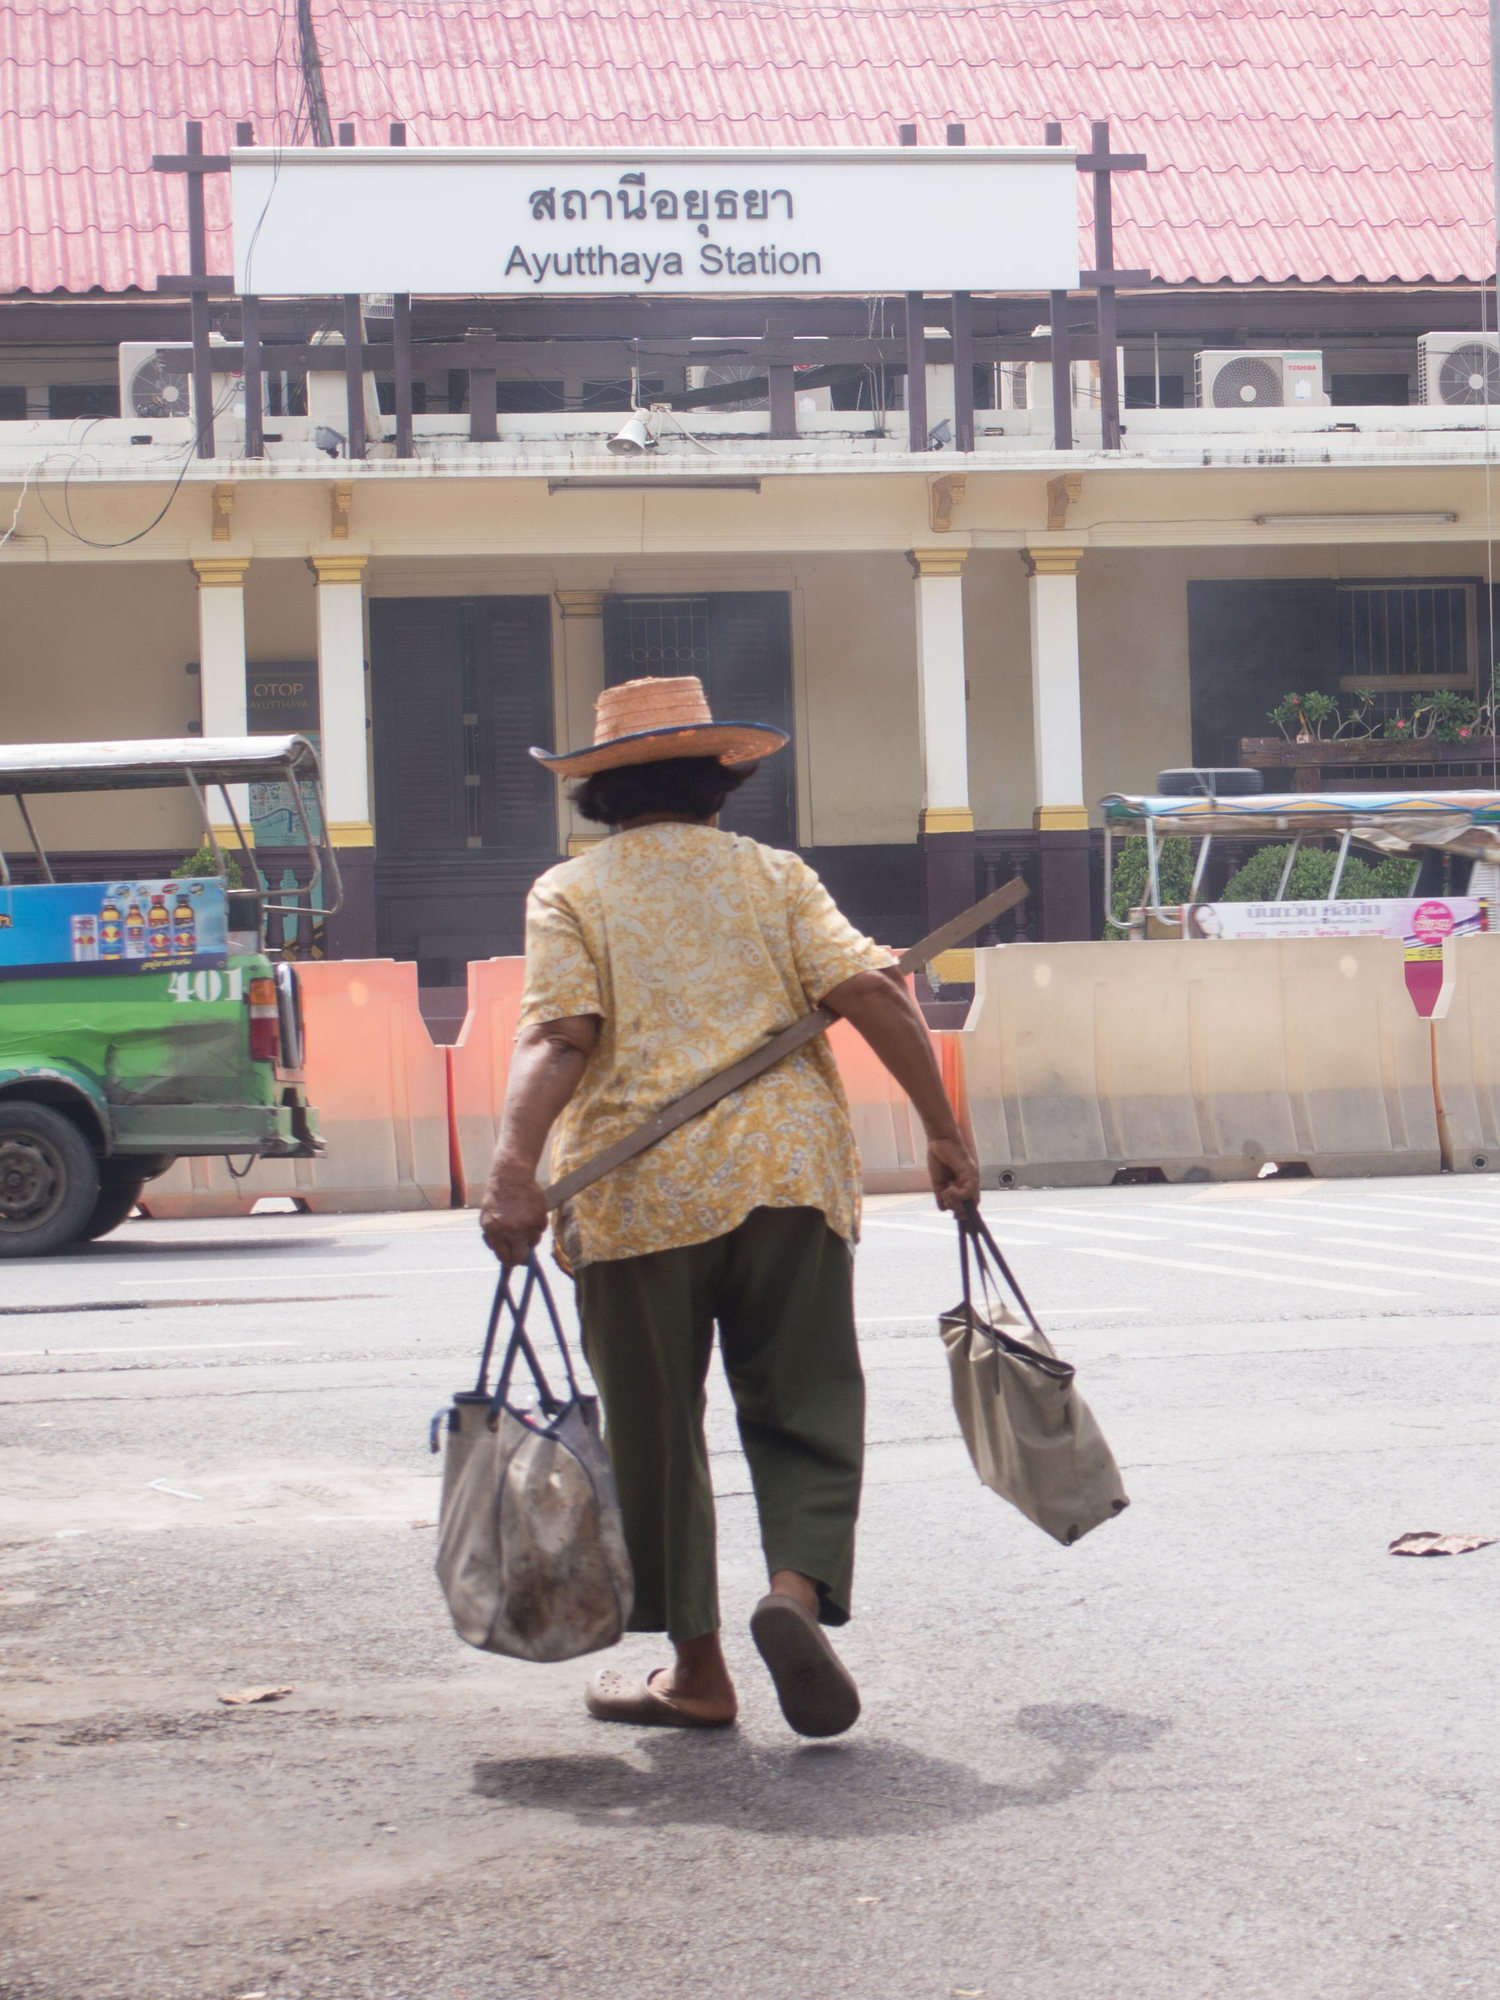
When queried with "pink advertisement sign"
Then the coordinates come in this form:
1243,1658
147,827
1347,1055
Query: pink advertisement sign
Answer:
1421,922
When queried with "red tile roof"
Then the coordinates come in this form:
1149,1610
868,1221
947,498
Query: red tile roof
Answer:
1335,139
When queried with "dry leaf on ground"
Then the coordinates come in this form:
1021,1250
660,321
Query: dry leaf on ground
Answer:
1429,1542
242,1697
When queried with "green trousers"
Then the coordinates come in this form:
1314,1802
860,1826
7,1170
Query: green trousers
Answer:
780,1287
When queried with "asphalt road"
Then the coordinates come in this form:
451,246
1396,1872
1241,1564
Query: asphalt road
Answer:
1227,1746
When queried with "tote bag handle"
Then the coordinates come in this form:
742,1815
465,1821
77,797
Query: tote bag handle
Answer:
973,1229
520,1341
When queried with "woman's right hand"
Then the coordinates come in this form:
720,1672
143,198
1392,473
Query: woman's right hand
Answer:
513,1213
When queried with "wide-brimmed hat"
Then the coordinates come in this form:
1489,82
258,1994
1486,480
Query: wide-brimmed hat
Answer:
641,721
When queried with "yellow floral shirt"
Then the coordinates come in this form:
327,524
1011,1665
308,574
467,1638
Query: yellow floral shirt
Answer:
694,947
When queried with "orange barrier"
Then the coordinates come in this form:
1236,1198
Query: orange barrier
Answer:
478,1068
892,1144
380,1089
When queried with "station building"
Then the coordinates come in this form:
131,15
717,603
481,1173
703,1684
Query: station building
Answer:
983,564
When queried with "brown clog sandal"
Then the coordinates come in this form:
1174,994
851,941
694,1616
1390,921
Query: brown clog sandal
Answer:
610,1697
816,1690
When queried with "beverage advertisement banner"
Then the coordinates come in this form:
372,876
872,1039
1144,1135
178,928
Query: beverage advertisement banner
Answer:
58,930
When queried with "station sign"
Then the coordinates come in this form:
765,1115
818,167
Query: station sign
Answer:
530,221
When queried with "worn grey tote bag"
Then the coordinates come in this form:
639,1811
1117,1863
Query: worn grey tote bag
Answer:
531,1551
1032,1437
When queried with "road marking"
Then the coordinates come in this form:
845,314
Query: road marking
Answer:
182,1305
910,1319
191,1347
1359,1264
936,1229
1469,1236
1468,1209
1238,1271
1089,1229
318,1277
1371,1221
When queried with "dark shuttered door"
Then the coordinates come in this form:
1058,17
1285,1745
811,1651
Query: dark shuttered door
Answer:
462,689
510,642
750,680
416,667
739,643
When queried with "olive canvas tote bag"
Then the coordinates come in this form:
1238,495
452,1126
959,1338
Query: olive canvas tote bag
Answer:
1032,1437
531,1549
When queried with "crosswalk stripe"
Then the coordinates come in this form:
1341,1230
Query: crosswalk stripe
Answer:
1359,1264
1239,1271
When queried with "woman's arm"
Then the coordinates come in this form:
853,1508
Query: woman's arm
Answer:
879,1006
545,1071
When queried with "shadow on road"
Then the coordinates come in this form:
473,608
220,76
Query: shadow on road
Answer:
857,1788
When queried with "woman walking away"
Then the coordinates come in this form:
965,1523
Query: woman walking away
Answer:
653,961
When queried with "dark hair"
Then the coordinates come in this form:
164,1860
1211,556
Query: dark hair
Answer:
696,786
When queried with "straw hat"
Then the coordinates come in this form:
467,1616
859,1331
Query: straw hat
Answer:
641,721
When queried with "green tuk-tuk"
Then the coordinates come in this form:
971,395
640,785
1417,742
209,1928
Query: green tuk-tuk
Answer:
142,1020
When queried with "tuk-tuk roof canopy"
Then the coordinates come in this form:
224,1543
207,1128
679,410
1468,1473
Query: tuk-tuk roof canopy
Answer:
1394,822
33,768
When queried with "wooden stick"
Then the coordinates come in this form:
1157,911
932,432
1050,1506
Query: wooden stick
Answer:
797,1036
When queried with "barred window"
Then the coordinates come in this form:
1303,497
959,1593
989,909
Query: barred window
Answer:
664,635
1407,635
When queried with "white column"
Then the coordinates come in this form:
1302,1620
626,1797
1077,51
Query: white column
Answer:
1056,706
943,720
582,684
341,699
944,727
221,673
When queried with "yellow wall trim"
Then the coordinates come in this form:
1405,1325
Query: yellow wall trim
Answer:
350,833
338,569
947,819
937,562
1052,562
581,603
221,572
223,513
1059,819
580,843
953,968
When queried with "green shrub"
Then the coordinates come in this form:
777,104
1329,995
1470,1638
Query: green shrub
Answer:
1129,890
1258,880
203,863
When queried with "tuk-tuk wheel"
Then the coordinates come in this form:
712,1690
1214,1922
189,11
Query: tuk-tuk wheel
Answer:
120,1184
49,1179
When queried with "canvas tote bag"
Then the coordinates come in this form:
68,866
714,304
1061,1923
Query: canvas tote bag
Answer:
1032,1437
531,1550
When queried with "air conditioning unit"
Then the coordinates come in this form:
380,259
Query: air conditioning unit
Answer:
1037,391
1232,378
328,397
152,386
1458,368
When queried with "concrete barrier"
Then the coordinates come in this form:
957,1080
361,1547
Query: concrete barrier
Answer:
1466,1054
380,1089
478,1068
1202,1060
